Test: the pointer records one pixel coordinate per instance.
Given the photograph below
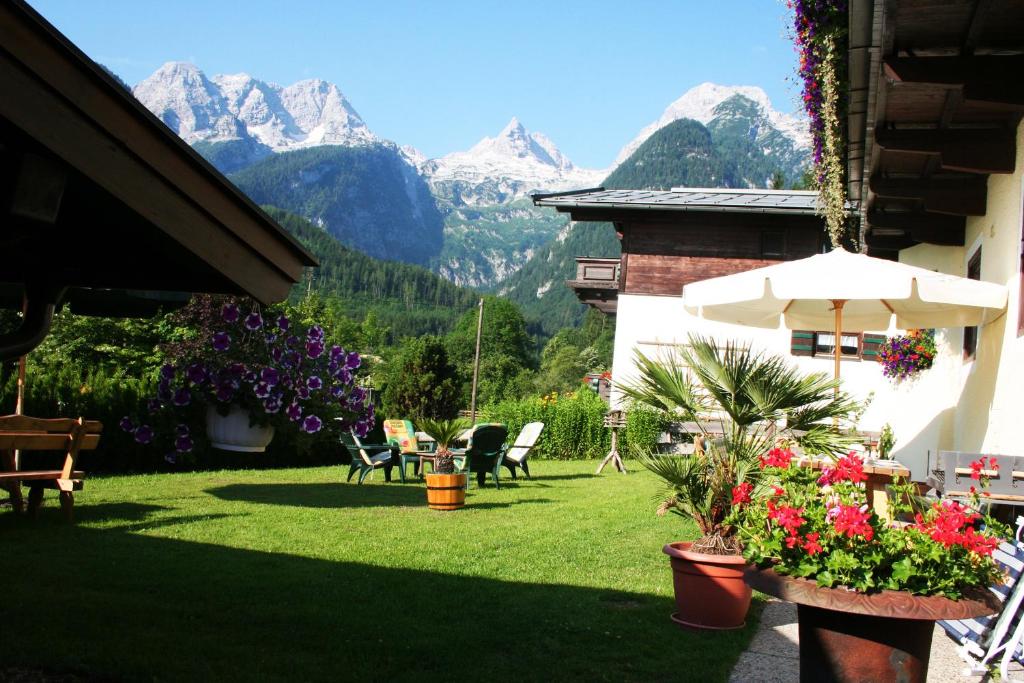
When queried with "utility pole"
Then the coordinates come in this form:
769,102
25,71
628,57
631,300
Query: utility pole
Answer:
476,362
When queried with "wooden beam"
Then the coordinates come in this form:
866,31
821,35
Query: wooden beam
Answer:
986,79
957,196
991,150
931,228
888,243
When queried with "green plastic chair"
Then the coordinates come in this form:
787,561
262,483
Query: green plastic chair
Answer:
367,457
484,453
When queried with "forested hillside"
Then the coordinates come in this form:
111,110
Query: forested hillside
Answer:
409,300
368,197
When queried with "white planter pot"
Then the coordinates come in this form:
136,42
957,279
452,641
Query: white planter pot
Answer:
233,433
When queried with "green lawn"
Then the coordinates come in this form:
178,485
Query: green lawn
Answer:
294,574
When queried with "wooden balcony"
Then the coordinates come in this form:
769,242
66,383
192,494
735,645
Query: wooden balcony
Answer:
597,283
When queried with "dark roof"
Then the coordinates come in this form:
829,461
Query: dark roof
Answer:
96,192
685,199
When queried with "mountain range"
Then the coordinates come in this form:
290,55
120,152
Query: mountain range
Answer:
466,215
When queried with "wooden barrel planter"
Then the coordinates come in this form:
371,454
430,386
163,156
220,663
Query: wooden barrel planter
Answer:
446,491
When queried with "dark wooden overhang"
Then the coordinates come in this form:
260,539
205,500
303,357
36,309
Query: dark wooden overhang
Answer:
97,194
936,94
672,237
597,283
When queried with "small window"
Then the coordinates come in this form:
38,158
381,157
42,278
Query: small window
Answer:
971,333
821,344
773,243
824,344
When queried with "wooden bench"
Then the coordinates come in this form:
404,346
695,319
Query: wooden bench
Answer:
18,432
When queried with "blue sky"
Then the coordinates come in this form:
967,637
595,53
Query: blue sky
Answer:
441,75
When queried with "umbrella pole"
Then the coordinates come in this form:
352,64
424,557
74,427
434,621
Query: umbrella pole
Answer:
837,306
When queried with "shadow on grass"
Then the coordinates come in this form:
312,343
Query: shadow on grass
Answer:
341,496
139,607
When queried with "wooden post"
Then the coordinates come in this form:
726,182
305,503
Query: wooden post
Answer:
19,403
837,306
476,363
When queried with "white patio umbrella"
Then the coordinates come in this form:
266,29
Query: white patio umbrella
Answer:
845,291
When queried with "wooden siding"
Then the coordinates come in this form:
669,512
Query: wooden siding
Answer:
662,257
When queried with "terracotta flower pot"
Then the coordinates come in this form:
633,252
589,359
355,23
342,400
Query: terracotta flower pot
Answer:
710,591
850,636
232,432
446,491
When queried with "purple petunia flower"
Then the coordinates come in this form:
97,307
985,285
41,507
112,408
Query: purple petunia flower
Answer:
294,412
315,333
312,424
270,376
262,390
167,372
182,397
362,428
343,376
357,396
144,434
253,321
126,424
237,369
292,342
221,341
337,353
275,353
314,349
282,323
314,383
337,392
225,392
229,313
302,393
250,377
183,444
181,430
353,361
272,405
197,374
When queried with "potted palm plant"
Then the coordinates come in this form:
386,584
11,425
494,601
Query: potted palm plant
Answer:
756,400
446,488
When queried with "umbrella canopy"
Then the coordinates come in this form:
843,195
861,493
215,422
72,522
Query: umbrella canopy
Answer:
867,292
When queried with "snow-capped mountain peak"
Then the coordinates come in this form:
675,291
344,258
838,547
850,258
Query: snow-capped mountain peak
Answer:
238,106
701,103
509,165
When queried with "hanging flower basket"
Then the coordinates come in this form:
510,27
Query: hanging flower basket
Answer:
907,355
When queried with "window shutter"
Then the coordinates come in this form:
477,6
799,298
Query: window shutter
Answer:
871,344
802,343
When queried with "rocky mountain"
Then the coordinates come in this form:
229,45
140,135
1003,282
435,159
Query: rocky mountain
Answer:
701,103
491,228
735,148
509,166
368,197
253,116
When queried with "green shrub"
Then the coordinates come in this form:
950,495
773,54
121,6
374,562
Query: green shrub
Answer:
573,423
643,427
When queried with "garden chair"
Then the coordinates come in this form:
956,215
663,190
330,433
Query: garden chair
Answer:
516,455
484,453
400,433
366,457
982,639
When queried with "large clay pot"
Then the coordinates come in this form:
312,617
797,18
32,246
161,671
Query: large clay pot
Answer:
446,491
710,591
232,432
849,636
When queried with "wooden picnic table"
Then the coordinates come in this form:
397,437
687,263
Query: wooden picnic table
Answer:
22,433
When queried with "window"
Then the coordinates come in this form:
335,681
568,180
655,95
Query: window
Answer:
773,243
825,342
822,344
971,333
